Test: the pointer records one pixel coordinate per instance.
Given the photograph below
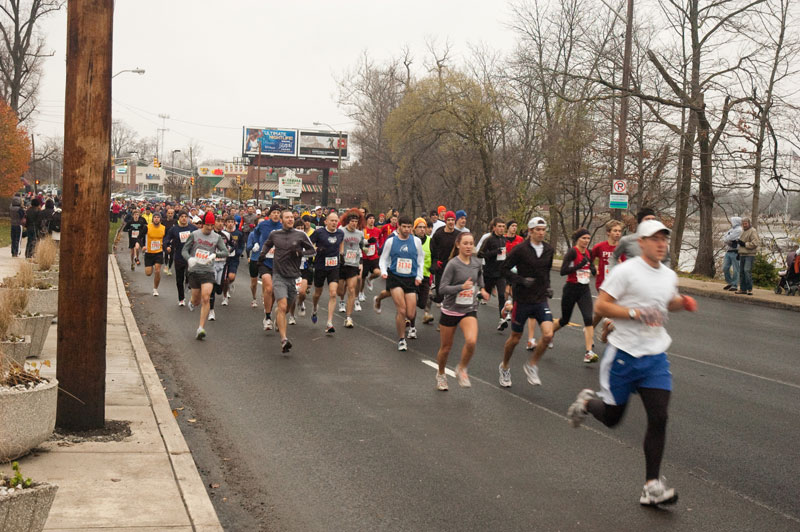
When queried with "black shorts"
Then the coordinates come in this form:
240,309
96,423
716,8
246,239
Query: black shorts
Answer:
263,270
369,266
347,272
197,279
423,290
132,243
406,283
308,275
320,276
233,265
253,266
522,311
153,258
451,321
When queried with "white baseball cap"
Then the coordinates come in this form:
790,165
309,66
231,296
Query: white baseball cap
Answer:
650,227
258,211
537,221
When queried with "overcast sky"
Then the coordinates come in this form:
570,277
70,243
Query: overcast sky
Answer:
227,64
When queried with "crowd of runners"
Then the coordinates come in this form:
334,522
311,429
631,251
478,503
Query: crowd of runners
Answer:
435,264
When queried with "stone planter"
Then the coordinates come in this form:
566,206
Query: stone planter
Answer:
26,510
27,418
36,327
43,301
50,276
16,353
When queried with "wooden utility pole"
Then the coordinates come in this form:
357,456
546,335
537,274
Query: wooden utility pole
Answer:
83,277
622,148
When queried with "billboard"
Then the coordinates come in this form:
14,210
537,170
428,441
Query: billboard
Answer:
272,141
322,144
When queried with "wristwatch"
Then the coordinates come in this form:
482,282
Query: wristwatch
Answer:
631,313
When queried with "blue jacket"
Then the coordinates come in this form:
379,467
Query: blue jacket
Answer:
260,235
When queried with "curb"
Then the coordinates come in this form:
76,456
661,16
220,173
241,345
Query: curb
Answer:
195,498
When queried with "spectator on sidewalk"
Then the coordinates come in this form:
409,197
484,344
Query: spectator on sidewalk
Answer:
17,215
748,247
32,226
730,264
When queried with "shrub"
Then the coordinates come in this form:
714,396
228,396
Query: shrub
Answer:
17,301
765,274
45,254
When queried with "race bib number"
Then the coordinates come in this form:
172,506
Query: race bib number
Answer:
298,283
155,246
605,270
201,254
371,250
134,234
331,262
184,236
351,256
404,266
271,253
465,297
583,276
502,255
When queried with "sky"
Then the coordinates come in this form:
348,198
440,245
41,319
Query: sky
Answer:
214,67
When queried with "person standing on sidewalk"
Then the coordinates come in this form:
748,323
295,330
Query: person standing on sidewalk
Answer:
748,247
17,215
32,225
730,264
638,294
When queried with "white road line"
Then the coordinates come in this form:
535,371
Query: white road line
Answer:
435,366
748,374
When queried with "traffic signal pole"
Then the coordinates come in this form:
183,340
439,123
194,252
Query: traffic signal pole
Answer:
83,277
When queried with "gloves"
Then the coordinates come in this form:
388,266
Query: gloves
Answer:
549,293
527,282
501,251
256,248
583,263
212,257
739,242
689,304
439,264
372,240
192,262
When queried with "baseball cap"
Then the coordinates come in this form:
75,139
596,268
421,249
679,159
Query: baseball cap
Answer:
196,220
537,221
650,227
209,218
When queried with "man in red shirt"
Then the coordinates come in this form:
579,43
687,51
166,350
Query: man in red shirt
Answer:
602,251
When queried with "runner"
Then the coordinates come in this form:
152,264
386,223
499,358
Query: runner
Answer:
220,268
369,261
442,243
638,294
494,251
264,271
154,251
439,223
577,266
305,280
424,288
401,265
173,242
462,286
235,248
168,222
200,249
353,245
328,240
136,228
531,288
461,221
288,246
603,251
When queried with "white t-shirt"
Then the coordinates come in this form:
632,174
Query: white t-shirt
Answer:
538,248
437,225
635,284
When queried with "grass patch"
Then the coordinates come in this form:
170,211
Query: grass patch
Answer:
113,227
5,233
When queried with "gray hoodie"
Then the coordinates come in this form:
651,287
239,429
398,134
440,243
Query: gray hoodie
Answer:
733,234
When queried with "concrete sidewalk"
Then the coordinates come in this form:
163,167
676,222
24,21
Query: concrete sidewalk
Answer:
146,482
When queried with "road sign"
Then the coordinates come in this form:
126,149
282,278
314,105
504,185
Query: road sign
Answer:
338,201
289,185
620,186
618,201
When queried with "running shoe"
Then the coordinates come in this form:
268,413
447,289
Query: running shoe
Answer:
348,323
576,412
267,324
376,304
329,329
342,306
427,318
402,345
191,307
290,320
137,261
302,311
231,288
182,303
408,323
483,301
211,315
201,333
369,284
463,378
224,301
361,296
254,304
590,357
532,372
503,324
412,333
168,273
550,345
133,267
285,345
314,316
155,292
531,344
505,377
357,307
726,287
655,493
441,381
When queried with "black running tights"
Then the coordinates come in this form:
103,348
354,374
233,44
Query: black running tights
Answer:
180,279
656,403
576,293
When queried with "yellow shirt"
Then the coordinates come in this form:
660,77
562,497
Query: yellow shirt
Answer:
148,216
155,238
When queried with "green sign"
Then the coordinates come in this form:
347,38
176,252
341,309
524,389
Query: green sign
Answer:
618,201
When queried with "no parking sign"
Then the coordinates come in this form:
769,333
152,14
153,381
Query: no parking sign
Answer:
620,186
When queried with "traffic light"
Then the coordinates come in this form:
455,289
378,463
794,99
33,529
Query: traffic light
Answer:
125,162
156,164
37,181
191,181
238,181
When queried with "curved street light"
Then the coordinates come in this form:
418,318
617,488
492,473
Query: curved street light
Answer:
137,70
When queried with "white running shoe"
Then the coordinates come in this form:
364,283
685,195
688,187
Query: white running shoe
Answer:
531,344
402,345
348,323
532,372
302,311
412,333
361,296
376,304
655,492
201,333
267,323
369,284
342,306
231,288
505,377
463,378
590,357
182,303
254,304
224,301
441,381
155,292
576,412
357,307
211,315
290,320
550,345
191,307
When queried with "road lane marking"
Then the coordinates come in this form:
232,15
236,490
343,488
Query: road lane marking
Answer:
435,366
776,381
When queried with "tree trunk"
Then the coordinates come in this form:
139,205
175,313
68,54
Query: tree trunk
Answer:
684,190
704,263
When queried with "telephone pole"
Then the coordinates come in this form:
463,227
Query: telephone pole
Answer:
163,129
622,147
81,343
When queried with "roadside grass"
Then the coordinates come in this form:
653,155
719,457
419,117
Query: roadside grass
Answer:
113,227
5,232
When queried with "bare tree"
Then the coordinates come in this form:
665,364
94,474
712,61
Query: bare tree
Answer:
123,139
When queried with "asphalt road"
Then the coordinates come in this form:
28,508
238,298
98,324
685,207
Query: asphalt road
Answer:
350,434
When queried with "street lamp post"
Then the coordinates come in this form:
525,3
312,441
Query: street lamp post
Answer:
136,70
